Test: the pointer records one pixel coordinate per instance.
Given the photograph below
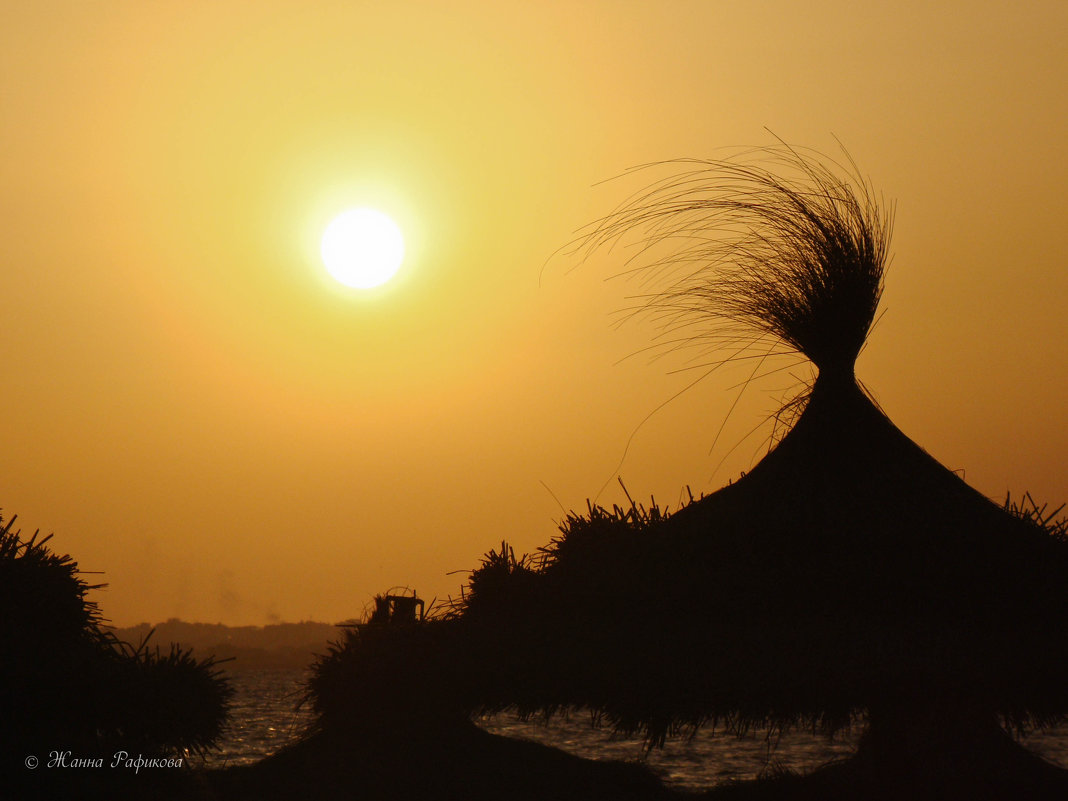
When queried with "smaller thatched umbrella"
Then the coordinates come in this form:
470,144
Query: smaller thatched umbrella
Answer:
68,685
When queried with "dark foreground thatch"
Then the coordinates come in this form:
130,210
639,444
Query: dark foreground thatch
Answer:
71,693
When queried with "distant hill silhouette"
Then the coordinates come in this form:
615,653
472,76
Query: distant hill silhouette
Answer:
278,645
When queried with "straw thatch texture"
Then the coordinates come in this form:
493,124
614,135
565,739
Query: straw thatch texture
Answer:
847,572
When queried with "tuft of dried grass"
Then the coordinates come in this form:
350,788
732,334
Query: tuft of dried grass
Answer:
67,679
775,242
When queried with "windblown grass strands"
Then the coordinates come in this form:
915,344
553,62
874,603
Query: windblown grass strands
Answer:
772,241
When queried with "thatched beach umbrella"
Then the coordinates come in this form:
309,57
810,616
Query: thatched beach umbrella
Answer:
69,686
849,573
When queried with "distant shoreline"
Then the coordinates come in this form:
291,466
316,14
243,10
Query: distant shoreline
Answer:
275,645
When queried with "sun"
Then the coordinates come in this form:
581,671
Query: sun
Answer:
362,248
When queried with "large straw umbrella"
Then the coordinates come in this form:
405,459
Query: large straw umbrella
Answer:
849,575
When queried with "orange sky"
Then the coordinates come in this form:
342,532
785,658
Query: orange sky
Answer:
193,407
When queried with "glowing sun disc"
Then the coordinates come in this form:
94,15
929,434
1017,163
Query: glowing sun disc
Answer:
362,248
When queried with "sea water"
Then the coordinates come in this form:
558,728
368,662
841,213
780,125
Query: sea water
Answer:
265,714
265,717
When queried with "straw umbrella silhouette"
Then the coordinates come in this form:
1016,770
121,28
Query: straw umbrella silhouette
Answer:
848,575
848,571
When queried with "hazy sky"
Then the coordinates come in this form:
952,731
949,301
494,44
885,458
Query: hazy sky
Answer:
195,408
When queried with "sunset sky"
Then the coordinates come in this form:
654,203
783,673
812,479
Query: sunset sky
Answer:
195,408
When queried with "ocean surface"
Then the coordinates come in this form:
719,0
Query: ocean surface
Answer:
265,717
